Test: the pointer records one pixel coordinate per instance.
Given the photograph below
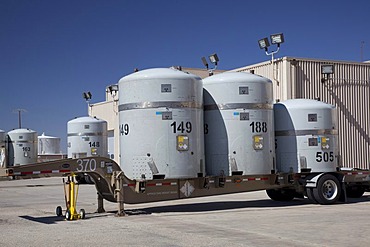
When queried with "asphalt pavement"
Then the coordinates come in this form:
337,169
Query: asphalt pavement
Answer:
27,218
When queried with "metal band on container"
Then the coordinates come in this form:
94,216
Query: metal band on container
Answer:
232,106
22,141
86,134
306,132
158,104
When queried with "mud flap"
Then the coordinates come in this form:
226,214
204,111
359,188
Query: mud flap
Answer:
343,196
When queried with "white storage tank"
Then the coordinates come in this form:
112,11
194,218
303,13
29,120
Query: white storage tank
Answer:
48,145
3,159
161,124
87,136
306,136
239,129
22,147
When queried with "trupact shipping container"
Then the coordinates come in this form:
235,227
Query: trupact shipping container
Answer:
87,136
22,146
239,128
306,136
161,124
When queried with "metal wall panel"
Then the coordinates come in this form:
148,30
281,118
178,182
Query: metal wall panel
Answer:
348,89
279,72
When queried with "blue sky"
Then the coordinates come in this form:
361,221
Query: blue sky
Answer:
51,51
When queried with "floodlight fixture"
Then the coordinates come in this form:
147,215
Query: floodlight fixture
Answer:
277,39
264,43
87,96
214,58
327,69
205,63
113,88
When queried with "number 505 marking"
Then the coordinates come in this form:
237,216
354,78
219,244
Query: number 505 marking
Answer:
325,156
85,165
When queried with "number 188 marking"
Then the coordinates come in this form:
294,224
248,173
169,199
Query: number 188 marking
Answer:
259,127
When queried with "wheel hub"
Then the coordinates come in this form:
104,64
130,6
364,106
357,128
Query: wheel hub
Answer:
330,189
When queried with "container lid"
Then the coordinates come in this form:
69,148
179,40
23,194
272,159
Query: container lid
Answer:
159,73
21,131
235,77
305,104
86,119
43,136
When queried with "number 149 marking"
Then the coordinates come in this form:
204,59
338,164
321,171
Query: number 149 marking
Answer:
181,127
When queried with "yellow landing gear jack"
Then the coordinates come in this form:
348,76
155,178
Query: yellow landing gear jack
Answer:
70,196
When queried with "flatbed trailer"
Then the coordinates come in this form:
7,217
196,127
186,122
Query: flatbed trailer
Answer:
112,184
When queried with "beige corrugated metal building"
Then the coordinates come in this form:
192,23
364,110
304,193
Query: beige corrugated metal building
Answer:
348,88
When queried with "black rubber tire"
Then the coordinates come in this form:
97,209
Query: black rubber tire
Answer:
280,195
59,211
355,191
310,196
68,215
328,190
82,213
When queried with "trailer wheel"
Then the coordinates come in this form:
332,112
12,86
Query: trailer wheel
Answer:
282,195
82,213
355,191
327,190
59,211
310,196
68,215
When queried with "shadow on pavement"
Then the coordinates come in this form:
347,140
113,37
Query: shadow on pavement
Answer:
200,207
44,220
222,205
229,205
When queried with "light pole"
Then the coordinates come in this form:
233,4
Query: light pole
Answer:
87,96
362,51
113,90
276,39
20,116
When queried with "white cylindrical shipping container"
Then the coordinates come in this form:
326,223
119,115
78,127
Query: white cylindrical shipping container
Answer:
3,159
22,147
48,145
306,136
161,124
87,136
239,129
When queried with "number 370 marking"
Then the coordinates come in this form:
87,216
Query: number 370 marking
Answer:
85,165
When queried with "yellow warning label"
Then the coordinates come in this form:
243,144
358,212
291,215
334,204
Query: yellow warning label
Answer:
256,138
